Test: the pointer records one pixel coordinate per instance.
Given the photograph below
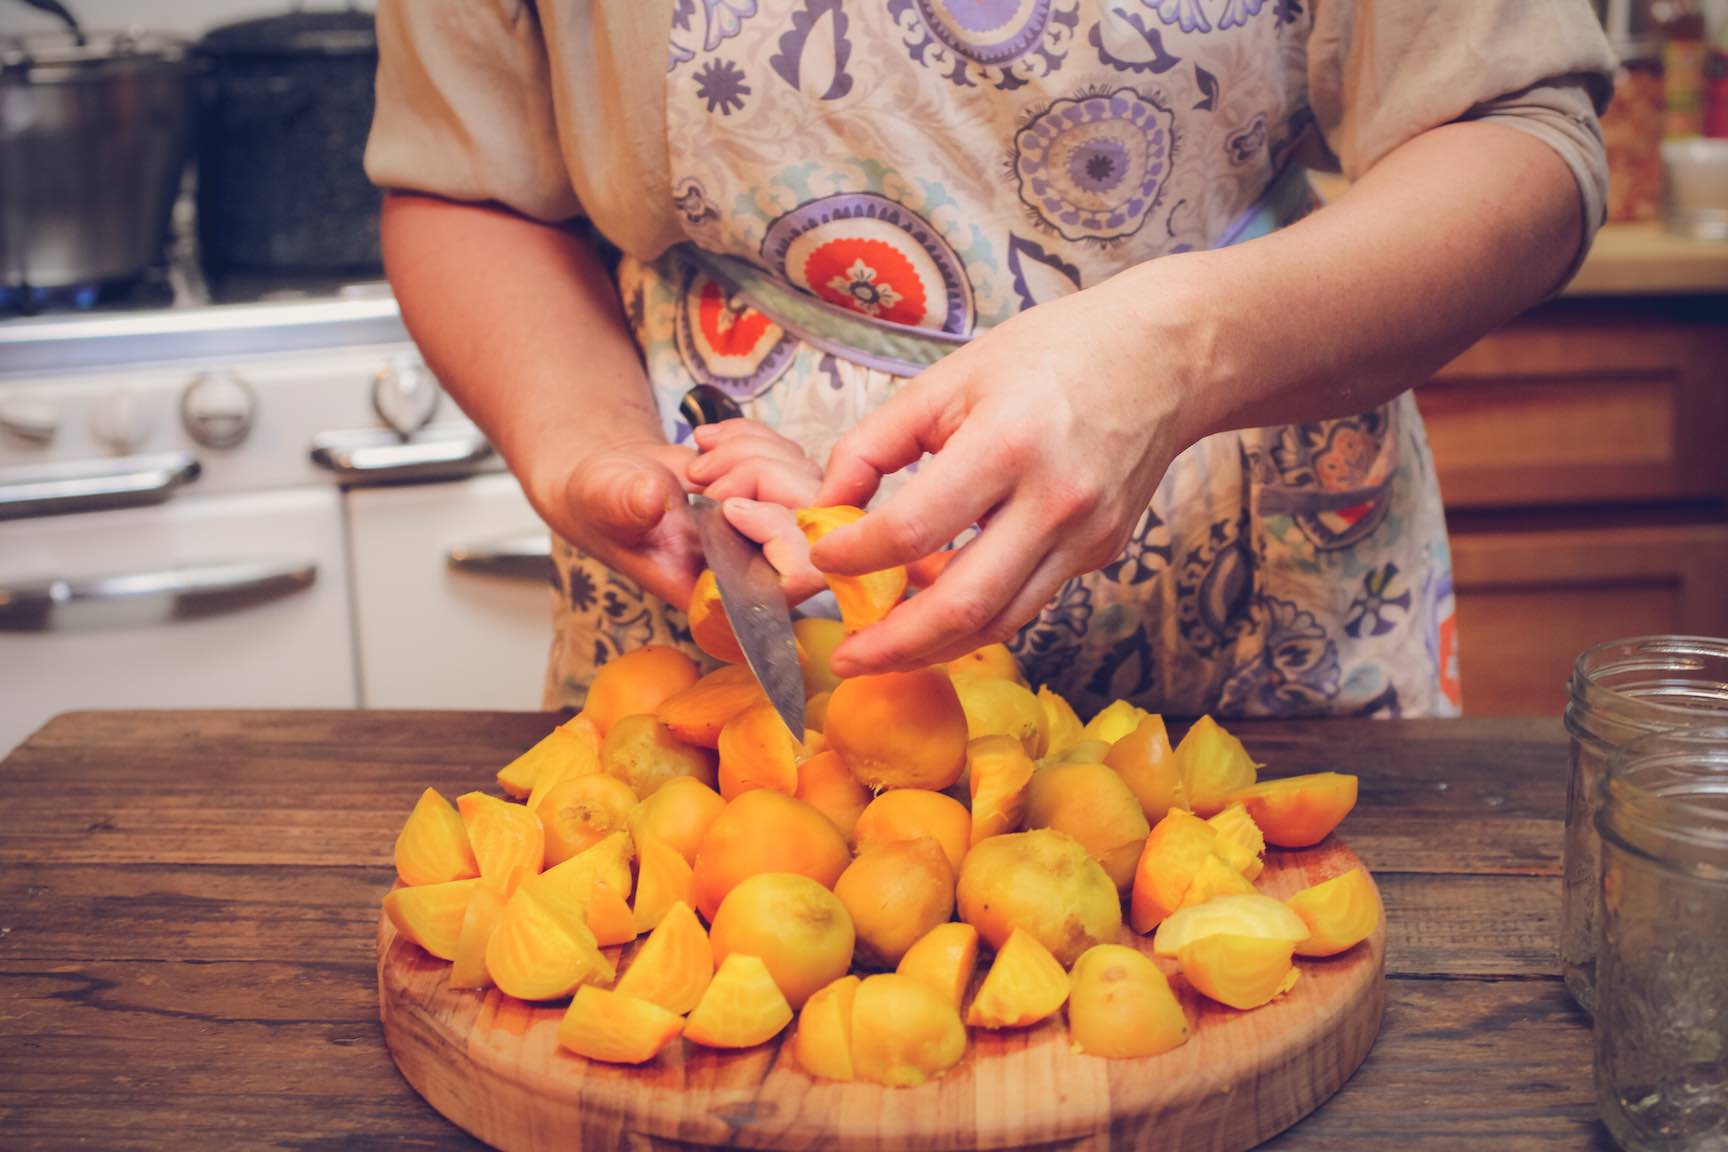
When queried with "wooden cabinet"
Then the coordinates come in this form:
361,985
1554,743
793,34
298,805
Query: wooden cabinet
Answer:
1583,456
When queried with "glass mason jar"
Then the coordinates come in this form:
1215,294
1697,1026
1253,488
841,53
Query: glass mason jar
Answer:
1619,691
1661,974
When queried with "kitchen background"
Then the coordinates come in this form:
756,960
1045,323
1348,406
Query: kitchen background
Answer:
226,478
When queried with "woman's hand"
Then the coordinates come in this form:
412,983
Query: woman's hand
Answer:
1051,432
626,506
760,477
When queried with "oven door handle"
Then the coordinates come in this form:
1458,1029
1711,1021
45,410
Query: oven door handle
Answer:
524,557
132,599
434,458
129,482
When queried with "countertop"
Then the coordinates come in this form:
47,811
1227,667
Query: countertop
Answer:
189,906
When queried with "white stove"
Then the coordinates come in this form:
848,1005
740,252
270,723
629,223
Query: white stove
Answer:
261,504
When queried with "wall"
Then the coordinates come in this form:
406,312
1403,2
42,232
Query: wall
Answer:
175,17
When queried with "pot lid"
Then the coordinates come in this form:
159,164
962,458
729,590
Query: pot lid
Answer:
49,56
342,32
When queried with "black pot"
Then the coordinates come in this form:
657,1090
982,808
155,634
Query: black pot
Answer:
285,104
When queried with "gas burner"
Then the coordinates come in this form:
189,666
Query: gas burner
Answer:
149,291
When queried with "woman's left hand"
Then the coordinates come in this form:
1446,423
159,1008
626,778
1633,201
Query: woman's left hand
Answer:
1051,432
759,477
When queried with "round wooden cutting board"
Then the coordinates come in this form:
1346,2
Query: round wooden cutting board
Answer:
493,1066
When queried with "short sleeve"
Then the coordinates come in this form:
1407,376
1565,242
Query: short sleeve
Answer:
465,106
1381,72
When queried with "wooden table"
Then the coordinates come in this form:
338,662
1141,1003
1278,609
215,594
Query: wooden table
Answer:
188,908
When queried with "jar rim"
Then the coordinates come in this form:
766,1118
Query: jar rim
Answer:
1648,705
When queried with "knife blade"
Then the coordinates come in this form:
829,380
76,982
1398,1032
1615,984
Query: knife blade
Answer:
756,607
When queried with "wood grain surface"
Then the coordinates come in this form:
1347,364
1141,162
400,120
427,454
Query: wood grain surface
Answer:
188,918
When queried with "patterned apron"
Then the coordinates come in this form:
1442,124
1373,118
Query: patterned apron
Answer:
866,186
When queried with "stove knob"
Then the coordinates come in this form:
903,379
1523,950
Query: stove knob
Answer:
405,395
120,422
218,409
31,418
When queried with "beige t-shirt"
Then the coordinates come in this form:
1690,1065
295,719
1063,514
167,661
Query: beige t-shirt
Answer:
557,109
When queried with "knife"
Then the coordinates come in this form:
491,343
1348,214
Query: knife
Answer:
756,607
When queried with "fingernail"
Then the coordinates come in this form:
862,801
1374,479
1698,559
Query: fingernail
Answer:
641,502
740,504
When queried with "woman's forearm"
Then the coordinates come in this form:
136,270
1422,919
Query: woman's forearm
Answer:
1450,235
520,322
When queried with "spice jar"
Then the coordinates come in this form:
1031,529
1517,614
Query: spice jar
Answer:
1662,983
1632,134
1619,691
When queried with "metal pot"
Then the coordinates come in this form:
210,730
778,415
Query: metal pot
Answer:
285,105
93,141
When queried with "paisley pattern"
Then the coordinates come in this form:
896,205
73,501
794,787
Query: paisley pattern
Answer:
923,170
869,255
725,342
1004,43
1094,168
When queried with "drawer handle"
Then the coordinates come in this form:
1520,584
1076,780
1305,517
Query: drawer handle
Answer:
524,557
56,489
134,599
357,460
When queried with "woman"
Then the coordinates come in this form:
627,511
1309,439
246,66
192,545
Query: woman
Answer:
1050,267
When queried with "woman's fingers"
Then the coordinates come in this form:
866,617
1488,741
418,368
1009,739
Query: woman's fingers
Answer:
1041,587
790,484
775,528
622,495
954,613
950,492
728,454
915,420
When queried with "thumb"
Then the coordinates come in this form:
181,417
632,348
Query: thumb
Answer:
622,495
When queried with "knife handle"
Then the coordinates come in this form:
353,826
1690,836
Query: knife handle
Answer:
706,404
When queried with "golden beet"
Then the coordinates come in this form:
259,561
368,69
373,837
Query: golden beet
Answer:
798,928
1173,853
944,958
571,749
637,682
1239,840
903,1031
899,729
1214,764
827,785
1147,764
1062,727
503,835
1120,1005
677,814
1215,878
895,892
662,880
998,774
432,847
823,1042
709,626
485,905
675,963
1091,803
911,813
1340,913
997,707
863,600
603,1024
580,813
644,753
1117,719
1025,984
1041,881
1299,811
1244,915
742,1006
542,949
431,914
818,638
757,751
763,831
698,713
1240,971
993,660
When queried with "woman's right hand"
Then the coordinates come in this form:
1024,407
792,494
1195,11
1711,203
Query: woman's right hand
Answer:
625,505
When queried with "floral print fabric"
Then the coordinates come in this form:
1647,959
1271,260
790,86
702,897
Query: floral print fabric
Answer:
925,169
